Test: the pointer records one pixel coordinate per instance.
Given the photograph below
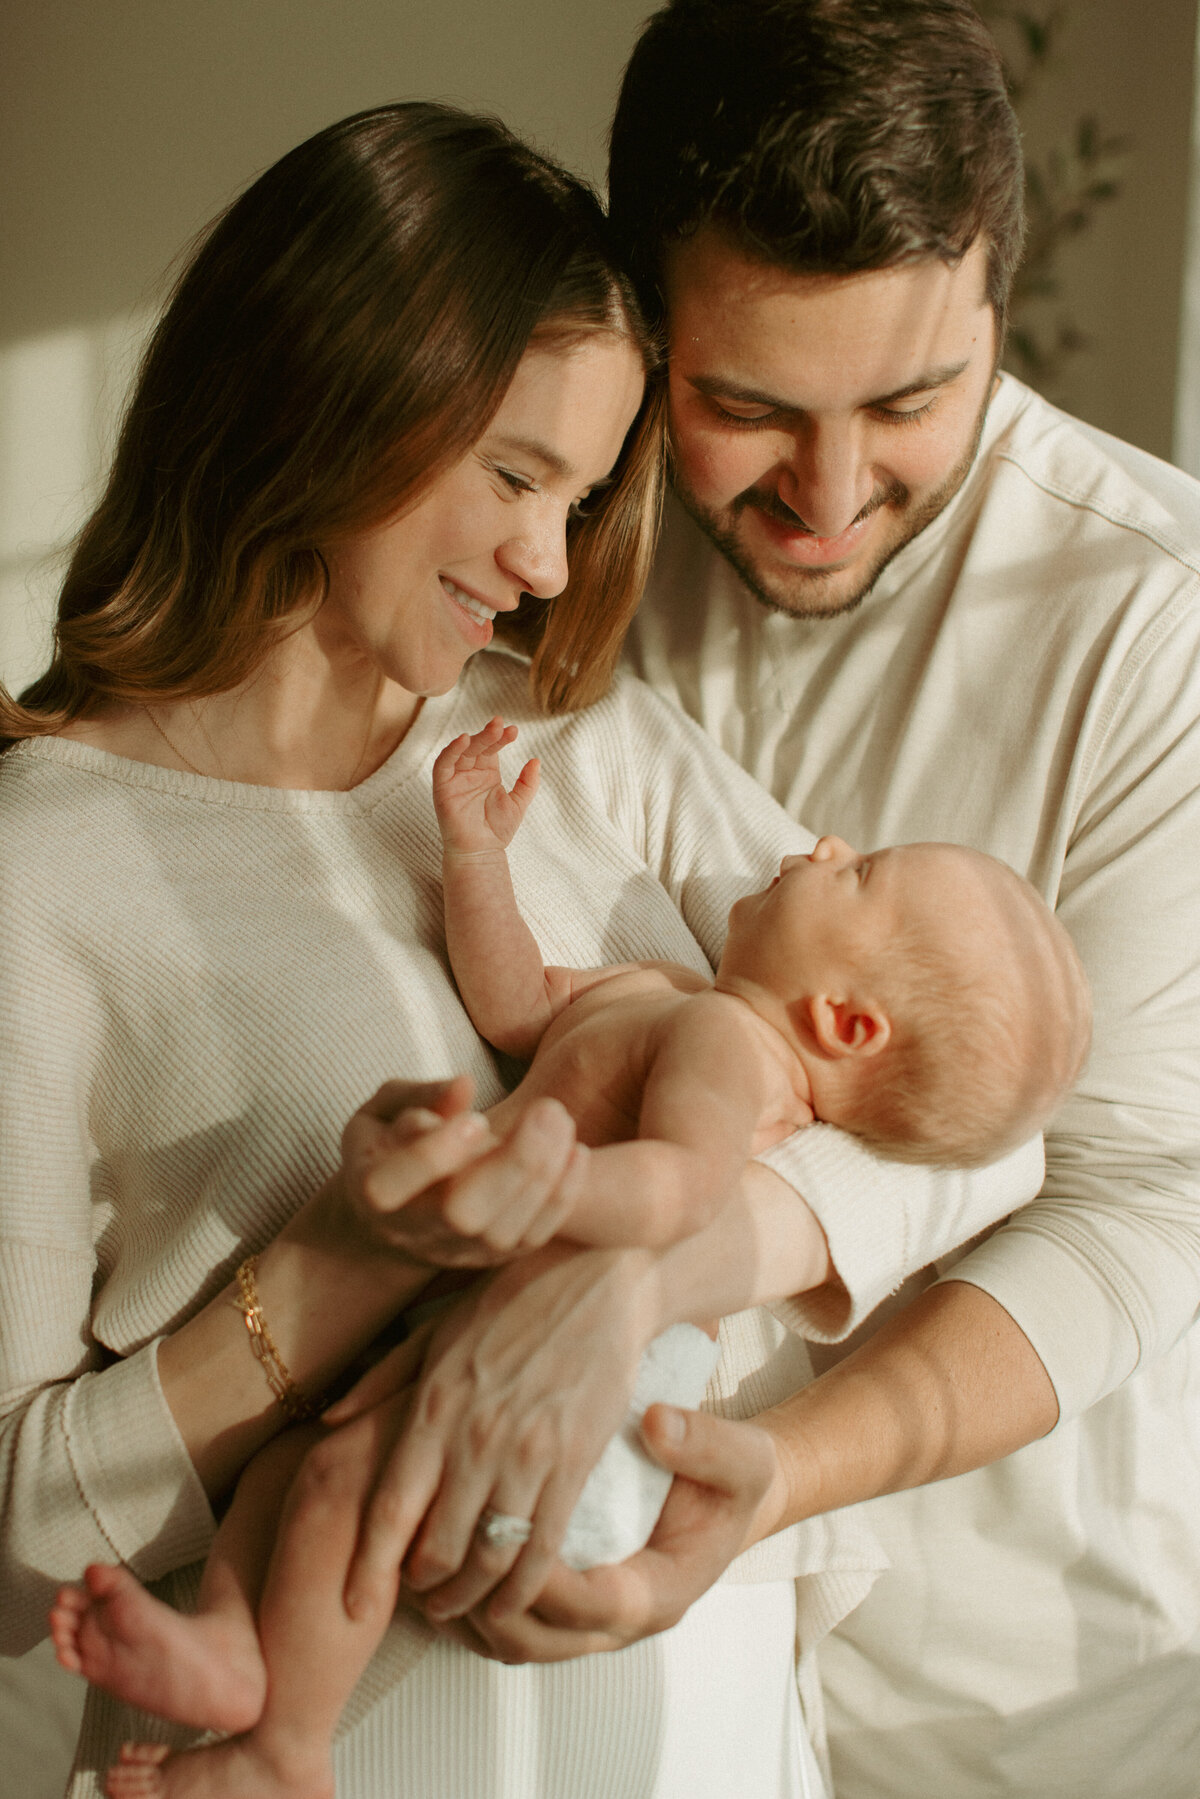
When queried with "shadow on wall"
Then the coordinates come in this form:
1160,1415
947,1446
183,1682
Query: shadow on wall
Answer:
60,399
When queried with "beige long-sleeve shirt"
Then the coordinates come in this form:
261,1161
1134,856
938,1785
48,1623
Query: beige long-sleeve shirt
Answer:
1024,678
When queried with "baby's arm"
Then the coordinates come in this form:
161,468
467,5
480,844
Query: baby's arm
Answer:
704,1091
505,987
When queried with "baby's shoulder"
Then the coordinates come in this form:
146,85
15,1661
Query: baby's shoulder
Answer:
631,982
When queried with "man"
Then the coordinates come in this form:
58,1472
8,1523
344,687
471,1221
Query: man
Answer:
917,602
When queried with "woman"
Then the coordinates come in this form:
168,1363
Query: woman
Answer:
393,373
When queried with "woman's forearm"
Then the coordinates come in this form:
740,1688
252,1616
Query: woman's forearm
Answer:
412,1172
324,1298
949,1384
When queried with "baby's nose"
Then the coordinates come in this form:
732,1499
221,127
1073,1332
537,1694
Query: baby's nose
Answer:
831,849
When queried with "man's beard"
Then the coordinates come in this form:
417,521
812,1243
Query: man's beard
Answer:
808,597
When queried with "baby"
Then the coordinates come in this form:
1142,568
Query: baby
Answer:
924,998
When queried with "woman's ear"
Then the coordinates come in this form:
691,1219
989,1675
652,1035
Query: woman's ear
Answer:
848,1027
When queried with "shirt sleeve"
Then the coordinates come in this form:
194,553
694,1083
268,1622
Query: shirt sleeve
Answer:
712,833
92,1466
1102,1272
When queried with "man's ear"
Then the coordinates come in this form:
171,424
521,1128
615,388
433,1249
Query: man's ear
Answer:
848,1027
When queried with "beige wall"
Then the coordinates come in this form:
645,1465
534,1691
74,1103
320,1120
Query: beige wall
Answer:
1128,63
124,124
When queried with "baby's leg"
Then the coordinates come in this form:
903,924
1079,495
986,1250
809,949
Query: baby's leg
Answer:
314,1652
203,1670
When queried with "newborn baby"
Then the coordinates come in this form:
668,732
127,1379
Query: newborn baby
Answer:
924,998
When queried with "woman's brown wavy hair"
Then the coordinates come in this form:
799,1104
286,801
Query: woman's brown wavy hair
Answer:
343,334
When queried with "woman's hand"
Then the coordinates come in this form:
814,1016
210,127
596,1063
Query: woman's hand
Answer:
729,1491
432,1181
421,1177
524,1383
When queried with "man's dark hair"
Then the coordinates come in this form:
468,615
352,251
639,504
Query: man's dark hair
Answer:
824,136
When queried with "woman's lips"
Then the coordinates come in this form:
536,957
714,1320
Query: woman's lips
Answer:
472,612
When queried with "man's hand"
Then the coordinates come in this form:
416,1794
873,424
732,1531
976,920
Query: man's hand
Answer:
728,1492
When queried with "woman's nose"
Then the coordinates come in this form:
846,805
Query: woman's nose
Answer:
538,560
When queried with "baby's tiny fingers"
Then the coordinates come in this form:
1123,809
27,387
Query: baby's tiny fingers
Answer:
519,1175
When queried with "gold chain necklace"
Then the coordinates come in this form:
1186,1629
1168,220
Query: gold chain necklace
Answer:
188,763
174,747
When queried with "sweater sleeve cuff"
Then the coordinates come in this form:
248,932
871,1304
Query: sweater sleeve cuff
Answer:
133,1469
884,1220
1087,1343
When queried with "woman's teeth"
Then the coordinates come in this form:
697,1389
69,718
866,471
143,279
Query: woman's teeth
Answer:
477,609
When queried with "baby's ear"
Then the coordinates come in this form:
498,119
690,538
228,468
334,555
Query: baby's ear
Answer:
848,1027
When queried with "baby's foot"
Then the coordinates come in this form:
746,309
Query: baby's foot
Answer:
199,1671
138,1774
240,1769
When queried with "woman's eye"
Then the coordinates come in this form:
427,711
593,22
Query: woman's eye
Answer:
518,483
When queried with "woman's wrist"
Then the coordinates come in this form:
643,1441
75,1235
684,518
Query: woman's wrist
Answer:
323,1293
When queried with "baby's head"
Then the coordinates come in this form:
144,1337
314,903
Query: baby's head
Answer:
936,1002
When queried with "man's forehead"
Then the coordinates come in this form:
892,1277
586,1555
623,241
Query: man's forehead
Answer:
710,256
732,317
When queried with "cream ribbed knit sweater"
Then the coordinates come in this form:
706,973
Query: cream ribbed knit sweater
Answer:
200,980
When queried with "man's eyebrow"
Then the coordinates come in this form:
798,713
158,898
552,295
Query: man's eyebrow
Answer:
716,388
940,377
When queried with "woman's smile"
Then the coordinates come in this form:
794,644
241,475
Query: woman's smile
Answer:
481,614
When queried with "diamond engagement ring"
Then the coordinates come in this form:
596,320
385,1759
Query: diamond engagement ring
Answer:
502,1531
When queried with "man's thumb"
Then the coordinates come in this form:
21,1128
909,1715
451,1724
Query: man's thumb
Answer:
694,1444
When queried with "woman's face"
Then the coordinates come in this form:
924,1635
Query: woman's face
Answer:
417,595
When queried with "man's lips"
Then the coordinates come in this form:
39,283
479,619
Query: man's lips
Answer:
804,549
790,538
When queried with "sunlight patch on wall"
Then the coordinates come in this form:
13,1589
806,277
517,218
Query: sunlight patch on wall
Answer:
60,400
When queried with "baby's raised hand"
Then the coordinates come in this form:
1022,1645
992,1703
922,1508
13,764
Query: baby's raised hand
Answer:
475,811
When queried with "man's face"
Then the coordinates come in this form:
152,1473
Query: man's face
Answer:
820,421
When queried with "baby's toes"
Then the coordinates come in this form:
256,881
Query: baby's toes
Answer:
138,1774
66,1614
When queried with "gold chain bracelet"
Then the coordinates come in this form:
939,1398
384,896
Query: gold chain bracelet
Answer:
296,1407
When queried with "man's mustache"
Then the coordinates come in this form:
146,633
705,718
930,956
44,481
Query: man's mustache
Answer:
763,499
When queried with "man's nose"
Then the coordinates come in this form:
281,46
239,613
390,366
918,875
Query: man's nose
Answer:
828,479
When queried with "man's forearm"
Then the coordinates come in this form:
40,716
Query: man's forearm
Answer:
763,1244
949,1384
